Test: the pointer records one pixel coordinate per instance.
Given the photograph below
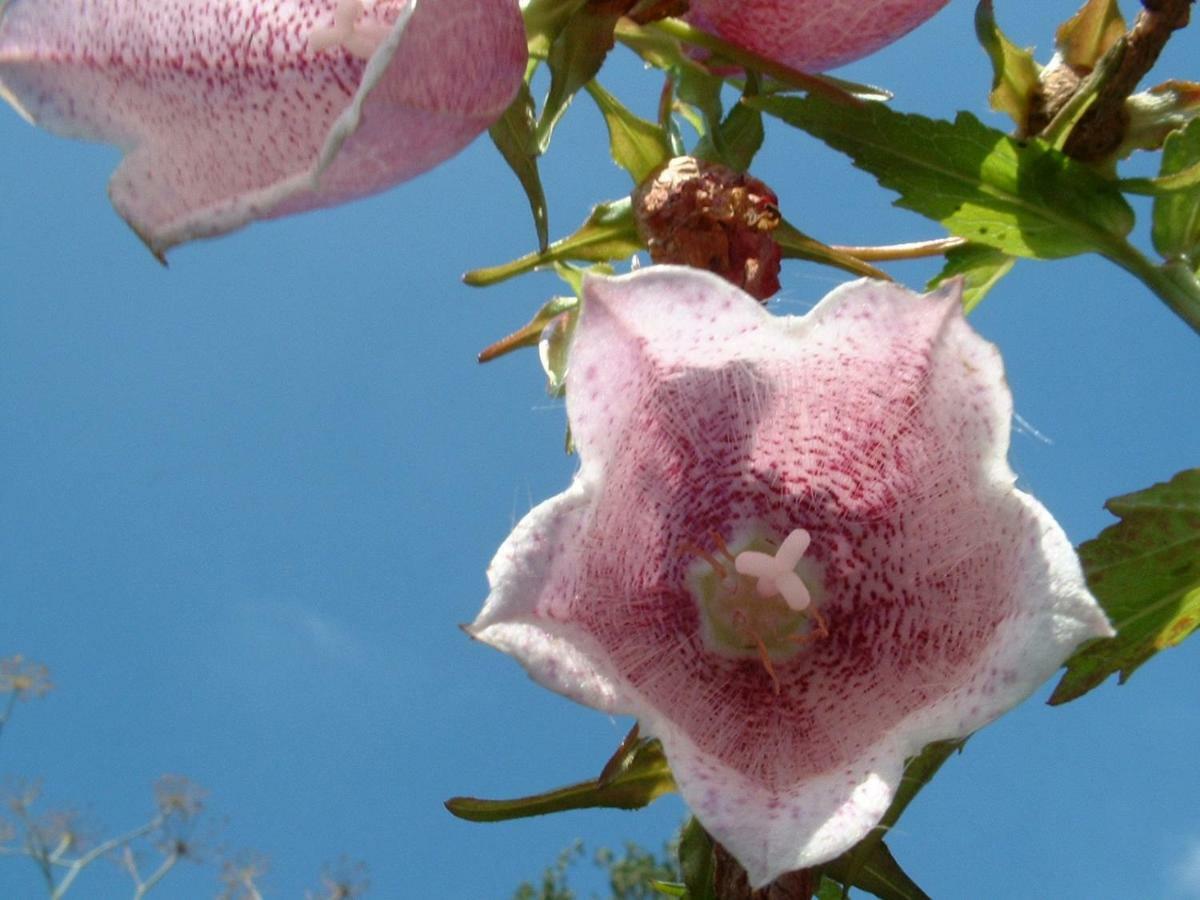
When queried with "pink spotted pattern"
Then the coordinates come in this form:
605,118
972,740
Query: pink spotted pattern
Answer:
879,423
812,35
226,115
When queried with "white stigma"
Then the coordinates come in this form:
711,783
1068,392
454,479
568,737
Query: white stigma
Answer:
776,573
359,40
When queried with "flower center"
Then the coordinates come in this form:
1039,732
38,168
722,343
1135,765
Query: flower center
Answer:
353,28
760,601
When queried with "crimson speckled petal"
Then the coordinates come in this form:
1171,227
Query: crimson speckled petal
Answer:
226,113
812,35
878,423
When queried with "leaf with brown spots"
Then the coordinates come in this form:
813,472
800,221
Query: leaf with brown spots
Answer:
1145,571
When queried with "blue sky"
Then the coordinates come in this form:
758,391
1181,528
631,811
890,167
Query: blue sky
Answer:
245,500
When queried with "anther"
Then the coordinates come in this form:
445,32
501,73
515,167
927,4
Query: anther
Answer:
764,656
817,632
714,563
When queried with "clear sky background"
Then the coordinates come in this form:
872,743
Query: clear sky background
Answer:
245,500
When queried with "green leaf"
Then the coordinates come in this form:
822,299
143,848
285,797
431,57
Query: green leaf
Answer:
578,52
1183,180
980,267
608,234
1145,571
1024,198
829,890
701,89
868,866
1015,73
669,888
696,862
878,874
545,20
735,141
637,146
645,778
1176,228
1059,131
1090,33
725,51
530,334
514,138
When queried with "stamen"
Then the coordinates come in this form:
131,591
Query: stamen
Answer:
722,547
764,655
819,633
714,564
689,547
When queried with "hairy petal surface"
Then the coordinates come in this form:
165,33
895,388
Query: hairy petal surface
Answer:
879,424
227,114
812,35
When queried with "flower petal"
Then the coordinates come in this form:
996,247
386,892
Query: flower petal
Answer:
226,115
878,424
812,35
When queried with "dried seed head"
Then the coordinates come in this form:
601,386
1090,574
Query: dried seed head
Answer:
708,216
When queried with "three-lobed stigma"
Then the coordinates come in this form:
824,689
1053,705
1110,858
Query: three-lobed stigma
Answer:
353,29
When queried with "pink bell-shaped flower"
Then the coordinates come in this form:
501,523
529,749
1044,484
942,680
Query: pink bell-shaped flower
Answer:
793,550
812,35
234,110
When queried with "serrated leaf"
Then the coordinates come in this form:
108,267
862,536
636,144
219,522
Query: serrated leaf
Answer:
1145,571
578,52
696,862
637,146
1024,198
608,234
1088,35
1015,73
1176,221
513,136
643,780
980,267
735,141
865,863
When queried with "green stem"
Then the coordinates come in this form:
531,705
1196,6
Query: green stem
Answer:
1174,282
894,252
682,31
